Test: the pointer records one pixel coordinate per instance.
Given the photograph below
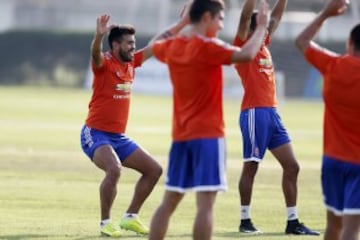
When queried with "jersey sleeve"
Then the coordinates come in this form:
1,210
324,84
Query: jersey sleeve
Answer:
99,69
138,58
159,50
320,58
218,52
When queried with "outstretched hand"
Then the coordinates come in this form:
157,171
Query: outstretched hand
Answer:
263,14
184,14
102,26
335,7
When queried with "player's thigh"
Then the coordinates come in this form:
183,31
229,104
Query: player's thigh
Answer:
142,162
106,158
285,156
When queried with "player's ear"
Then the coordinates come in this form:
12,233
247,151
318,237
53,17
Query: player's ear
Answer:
206,17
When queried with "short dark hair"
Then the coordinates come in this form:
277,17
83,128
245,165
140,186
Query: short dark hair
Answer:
355,37
117,32
253,22
199,7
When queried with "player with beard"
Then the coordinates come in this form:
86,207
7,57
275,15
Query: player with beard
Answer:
103,136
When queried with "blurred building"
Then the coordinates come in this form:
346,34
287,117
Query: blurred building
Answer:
150,16
37,59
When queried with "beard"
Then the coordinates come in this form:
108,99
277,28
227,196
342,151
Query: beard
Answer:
126,56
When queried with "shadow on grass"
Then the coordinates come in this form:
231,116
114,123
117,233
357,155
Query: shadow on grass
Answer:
47,236
25,236
235,235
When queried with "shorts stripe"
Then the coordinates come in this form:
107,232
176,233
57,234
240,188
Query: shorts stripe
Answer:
252,130
222,162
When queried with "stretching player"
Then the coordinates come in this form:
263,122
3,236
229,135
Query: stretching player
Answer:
103,136
260,123
197,155
340,173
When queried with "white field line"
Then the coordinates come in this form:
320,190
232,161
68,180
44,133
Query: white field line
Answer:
232,163
33,125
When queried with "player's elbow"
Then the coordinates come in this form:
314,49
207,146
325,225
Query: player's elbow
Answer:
243,56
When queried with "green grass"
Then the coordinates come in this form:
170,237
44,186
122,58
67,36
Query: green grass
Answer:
49,189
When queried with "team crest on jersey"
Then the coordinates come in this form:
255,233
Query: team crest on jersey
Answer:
265,62
125,87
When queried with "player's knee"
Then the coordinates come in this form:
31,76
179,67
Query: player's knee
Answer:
157,171
114,172
292,169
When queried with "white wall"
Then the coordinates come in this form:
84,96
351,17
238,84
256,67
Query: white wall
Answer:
6,13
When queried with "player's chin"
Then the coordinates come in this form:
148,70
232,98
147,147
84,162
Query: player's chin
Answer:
129,58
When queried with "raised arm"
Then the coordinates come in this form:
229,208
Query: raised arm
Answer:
276,15
102,28
245,19
251,47
333,8
170,31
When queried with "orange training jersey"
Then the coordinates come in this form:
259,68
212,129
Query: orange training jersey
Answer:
110,101
196,74
258,78
341,93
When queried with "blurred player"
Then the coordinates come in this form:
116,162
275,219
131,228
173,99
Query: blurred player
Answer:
197,155
260,124
341,157
103,137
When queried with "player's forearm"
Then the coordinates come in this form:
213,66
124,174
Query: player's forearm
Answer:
96,48
276,14
170,31
245,19
247,9
304,39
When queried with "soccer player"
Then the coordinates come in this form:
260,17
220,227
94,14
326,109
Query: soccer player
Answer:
340,173
197,154
103,136
260,123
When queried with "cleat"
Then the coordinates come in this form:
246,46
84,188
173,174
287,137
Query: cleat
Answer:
246,226
110,230
297,228
133,224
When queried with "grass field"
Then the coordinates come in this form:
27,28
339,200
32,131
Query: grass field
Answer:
49,189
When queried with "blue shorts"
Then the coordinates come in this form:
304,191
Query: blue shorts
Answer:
198,165
261,129
91,139
341,186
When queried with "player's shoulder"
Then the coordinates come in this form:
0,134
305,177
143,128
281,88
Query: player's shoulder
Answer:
108,56
215,43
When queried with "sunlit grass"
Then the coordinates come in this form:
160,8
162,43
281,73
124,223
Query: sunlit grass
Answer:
49,189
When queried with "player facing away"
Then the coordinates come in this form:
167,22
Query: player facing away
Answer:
340,172
197,155
103,136
260,123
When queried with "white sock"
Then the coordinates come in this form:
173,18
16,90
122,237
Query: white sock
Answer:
245,211
104,222
291,213
130,215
